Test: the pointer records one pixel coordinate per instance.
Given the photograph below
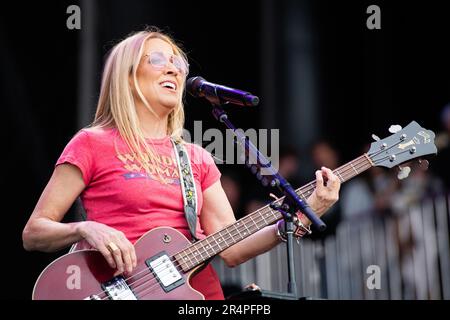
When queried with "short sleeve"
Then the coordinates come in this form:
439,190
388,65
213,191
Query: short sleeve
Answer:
79,153
209,171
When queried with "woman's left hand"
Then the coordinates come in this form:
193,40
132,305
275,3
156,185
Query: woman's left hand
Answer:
326,192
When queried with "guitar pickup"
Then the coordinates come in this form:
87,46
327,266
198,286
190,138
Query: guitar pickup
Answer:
165,271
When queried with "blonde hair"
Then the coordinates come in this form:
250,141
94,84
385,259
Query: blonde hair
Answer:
116,106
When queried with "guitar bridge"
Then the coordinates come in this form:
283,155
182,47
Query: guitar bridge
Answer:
118,289
165,271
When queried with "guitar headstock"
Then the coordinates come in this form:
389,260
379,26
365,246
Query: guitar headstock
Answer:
407,144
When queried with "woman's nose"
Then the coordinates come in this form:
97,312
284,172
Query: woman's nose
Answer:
171,68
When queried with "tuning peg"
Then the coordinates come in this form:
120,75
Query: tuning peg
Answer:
395,128
424,164
274,197
403,173
375,137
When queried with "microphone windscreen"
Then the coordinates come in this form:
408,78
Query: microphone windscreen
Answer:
193,85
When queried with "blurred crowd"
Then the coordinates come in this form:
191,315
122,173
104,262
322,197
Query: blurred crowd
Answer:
376,193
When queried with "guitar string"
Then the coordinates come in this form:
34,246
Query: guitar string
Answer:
232,236
388,156
156,286
349,167
373,155
306,189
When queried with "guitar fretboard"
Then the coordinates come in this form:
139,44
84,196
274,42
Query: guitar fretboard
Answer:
215,243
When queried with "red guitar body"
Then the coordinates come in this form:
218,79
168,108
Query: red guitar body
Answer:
83,274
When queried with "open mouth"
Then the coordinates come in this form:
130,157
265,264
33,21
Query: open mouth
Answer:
169,85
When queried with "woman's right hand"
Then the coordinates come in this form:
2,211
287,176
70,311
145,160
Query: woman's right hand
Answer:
118,251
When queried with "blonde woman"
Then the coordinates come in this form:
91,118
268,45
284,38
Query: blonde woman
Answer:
124,169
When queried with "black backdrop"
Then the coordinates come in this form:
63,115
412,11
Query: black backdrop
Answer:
367,81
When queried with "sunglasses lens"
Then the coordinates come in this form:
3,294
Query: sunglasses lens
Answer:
159,60
179,64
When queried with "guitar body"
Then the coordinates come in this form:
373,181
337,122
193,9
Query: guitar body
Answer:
83,274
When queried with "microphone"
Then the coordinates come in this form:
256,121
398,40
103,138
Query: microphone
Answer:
217,94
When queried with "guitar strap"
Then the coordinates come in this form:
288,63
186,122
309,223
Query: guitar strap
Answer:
187,187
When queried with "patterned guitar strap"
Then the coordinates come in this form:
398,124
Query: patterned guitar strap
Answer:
187,187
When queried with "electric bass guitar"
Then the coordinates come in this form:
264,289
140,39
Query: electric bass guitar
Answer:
166,260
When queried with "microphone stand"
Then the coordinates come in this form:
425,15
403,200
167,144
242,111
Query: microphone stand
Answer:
291,203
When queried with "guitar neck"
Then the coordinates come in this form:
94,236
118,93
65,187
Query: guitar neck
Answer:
215,243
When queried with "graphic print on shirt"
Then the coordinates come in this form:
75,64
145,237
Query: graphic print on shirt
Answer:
162,168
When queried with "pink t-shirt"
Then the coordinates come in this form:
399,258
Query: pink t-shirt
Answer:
120,194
